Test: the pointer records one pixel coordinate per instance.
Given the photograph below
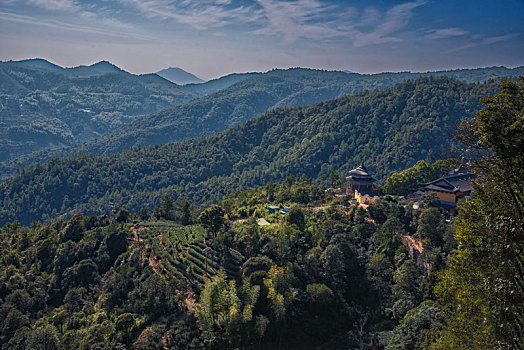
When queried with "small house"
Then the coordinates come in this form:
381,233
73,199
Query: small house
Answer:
450,189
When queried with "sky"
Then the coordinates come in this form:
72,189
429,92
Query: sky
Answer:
211,38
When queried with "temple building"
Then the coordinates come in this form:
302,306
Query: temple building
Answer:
360,179
450,189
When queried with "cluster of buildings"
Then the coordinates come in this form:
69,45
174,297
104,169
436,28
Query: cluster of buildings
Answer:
448,190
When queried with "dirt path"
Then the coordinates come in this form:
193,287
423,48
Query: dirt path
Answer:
412,244
136,230
156,265
190,301
319,208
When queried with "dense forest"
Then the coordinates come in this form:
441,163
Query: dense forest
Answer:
43,105
319,272
247,99
323,275
220,110
482,289
389,130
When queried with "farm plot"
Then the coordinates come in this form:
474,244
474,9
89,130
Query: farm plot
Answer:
182,250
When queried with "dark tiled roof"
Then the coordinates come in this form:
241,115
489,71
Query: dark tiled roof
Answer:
451,184
432,187
361,173
463,185
360,178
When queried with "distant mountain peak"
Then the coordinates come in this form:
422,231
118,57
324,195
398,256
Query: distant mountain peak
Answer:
99,68
103,63
37,59
39,63
105,66
179,76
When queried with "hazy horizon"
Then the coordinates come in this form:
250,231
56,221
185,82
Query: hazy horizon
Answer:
214,38
264,71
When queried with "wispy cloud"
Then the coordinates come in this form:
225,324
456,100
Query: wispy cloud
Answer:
395,19
308,19
61,25
77,7
311,19
371,15
290,20
114,23
478,40
197,14
62,5
445,33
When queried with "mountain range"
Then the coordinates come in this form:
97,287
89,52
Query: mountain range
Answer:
388,129
98,68
249,95
154,215
179,76
44,106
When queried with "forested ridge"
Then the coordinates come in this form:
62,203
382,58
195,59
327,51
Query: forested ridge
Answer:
251,96
41,109
389,130
44,106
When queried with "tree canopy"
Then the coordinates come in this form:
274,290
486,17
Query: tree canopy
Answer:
482,290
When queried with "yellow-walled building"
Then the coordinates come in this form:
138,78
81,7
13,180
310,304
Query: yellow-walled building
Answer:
366,198
450,189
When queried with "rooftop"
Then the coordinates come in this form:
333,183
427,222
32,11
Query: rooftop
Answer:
456,183
361,172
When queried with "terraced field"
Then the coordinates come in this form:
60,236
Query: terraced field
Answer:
182,251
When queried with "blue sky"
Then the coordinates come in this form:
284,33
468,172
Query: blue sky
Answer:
211,38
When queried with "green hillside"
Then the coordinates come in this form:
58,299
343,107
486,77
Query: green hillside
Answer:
336,276
249,98
251,95
322,272
389,129
42,109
